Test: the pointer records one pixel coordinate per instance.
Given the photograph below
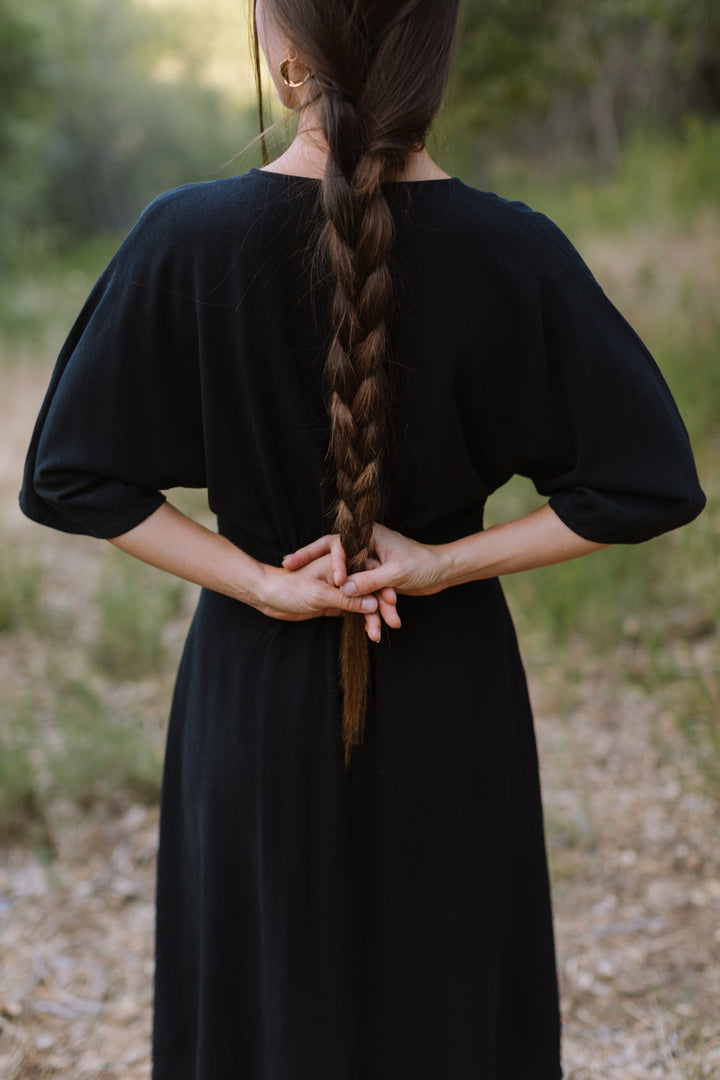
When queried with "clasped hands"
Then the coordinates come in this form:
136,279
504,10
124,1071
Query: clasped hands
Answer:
314,581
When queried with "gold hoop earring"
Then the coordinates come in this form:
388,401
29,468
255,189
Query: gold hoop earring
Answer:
284,71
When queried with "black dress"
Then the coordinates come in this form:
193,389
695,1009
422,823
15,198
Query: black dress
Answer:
394,922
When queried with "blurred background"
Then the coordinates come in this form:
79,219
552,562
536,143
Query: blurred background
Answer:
604,115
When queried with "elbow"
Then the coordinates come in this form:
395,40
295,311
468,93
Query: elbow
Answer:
673,512
64,498
612,517
693,505
59,487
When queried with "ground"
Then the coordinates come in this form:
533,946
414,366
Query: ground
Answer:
632,826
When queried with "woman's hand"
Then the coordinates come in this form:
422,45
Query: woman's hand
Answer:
402,566
174,542
309,593
331,547
313,580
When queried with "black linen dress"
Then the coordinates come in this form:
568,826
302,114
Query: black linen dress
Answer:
394,922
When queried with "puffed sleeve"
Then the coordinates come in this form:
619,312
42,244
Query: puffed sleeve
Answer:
122,417
600,433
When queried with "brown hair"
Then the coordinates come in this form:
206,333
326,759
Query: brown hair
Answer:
381,69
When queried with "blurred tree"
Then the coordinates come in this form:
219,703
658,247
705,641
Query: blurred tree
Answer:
104,112
19,60
506,63
565,72
118,132
106,103
21,96
693,32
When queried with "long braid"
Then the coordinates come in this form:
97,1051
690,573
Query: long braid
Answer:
380,68
356,241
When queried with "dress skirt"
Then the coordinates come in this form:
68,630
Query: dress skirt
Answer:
391,922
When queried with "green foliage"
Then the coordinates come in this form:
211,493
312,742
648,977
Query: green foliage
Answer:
21,49
698,716
504,61
565,82
135,603
699,173
659,178
76,732
99,752
139,137
20,802
21,583
105,103
19,57
693,29
106,112
41,299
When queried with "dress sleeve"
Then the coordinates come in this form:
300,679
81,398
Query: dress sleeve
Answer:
122,416
602,435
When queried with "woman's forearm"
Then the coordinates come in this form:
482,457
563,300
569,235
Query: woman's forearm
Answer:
537,539
416,569
174,542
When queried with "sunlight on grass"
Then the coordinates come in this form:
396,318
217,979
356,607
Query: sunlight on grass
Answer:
21,582
135,602
99,751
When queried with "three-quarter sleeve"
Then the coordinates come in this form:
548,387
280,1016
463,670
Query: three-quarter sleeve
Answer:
601,435
122,417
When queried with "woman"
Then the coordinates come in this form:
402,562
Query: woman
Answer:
351,350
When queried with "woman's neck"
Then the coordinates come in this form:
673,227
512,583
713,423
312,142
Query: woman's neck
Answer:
308,152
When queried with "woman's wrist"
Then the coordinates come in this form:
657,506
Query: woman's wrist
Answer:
539,538
252,583
259,586
453,565
175,543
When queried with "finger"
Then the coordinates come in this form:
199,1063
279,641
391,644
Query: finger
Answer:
373,626
388,593
369,581
360,605
337,560
305,555
389,613
363,605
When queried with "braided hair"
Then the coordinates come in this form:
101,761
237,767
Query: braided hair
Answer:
381,69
